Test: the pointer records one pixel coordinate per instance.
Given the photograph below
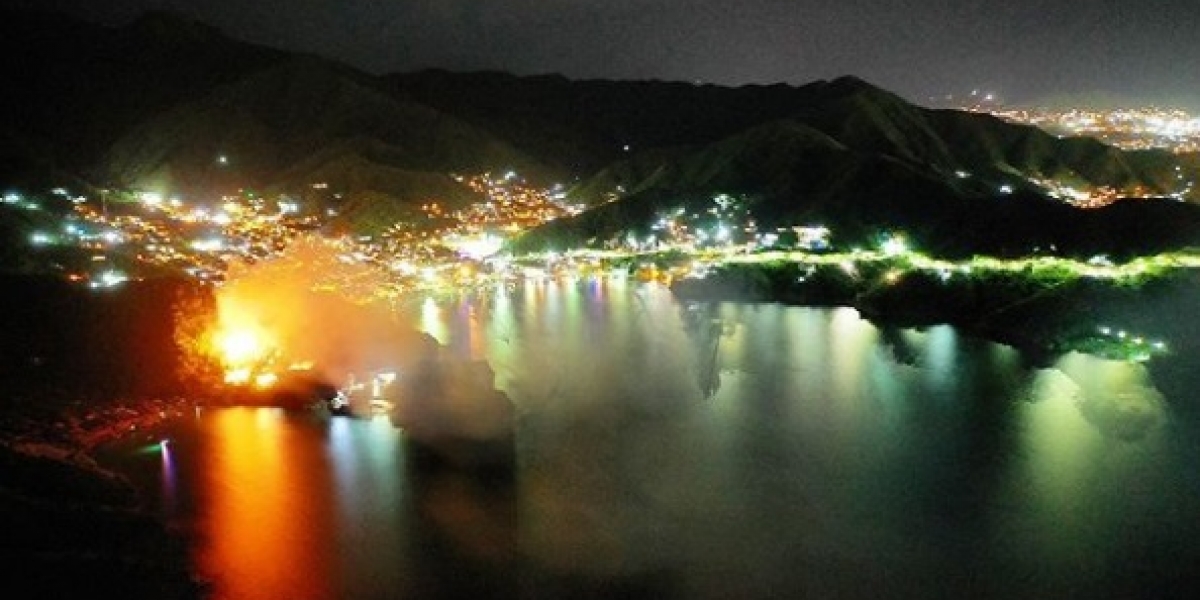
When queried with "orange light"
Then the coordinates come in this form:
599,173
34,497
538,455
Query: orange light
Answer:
265,380
238,347
237,376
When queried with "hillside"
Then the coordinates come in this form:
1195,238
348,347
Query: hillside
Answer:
78,86
172,105
581,126
284,127
586,126
862,160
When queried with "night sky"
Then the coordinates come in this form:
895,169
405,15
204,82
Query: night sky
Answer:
1024,50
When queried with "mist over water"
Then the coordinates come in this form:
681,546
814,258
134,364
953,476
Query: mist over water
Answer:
713,451
317,317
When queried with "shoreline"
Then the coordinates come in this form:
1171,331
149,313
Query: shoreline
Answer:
1041,319
74,528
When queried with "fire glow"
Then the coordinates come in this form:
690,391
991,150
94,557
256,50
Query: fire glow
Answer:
246,349
291,314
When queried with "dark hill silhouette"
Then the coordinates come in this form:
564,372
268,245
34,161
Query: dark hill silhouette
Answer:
77,86
585,126
863,160
274,127
580,126
157,102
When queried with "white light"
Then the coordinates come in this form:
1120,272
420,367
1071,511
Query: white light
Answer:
209,245
112,278
894,245
151,198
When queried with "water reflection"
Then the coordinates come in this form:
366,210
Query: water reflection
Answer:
167,474
720,450
1097,490
293,506
266,517
370,489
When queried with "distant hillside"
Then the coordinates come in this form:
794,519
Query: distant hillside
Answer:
354,177
864,160
585,126
284,128
850,114
170,104
581,126
77,87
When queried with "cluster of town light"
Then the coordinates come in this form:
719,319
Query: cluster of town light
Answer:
722,232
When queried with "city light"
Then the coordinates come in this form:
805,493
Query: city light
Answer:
894,245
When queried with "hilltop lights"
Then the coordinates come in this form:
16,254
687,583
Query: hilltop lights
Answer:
109,279
814,237
1126,128
893,245
1122,344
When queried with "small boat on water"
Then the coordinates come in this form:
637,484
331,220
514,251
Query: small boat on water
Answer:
357,399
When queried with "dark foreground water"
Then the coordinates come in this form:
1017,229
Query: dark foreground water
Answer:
724,451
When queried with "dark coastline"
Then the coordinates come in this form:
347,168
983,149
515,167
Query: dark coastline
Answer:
74,528
1041,318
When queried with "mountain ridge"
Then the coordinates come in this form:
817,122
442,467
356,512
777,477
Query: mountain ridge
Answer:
169,102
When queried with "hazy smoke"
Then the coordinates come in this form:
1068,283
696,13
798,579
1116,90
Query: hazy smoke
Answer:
315,304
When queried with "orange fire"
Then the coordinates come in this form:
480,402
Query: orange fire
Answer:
244,346
241,346
277,317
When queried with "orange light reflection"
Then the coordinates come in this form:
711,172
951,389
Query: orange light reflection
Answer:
267,526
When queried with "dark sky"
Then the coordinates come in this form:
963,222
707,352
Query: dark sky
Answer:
1024,50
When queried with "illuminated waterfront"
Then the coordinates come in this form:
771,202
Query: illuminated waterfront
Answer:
712,451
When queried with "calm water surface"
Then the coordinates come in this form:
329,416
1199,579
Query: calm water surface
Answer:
712,451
